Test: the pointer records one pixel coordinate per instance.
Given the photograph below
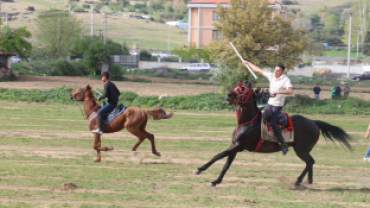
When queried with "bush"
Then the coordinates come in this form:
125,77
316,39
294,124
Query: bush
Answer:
80,68
289,2
146,101
30,8
128,96
172,16
116,73
193,60
145,54
63,68
169,59
86,6
79,9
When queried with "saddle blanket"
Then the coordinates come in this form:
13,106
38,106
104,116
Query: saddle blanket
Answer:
268,134
116,111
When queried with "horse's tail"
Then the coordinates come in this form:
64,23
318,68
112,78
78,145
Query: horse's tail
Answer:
334,132
158,114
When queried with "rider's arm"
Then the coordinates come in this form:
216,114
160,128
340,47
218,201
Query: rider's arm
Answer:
367,132
254,67
288,91
105,95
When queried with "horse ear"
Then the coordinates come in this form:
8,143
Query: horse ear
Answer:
88,87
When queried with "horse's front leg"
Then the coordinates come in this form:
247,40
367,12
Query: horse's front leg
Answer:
230,160
98,148
232,148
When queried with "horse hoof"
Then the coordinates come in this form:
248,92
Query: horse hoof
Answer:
157,154
111,148
97,160
196,172
134,153
297,185
212,184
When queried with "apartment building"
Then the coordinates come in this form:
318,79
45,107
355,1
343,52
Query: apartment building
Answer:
202,15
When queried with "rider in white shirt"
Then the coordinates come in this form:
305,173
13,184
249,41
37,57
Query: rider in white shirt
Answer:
280,86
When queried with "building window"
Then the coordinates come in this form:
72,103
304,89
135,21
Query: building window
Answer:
216,34
215,16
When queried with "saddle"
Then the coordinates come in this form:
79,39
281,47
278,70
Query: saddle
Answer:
107,118
284,122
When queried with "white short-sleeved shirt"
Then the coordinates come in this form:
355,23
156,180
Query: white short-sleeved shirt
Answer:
277,84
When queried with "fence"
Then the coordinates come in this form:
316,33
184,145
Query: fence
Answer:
127,60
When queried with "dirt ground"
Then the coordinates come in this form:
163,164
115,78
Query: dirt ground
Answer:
155,88
142,88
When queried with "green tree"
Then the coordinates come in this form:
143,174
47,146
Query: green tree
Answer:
57,34
315,19
192,52
366,47
97,53
331,23
14,40
259,38
360,22
156,5
83,45
168,7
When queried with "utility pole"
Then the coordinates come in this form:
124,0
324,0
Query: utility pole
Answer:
92,19
100,34
0,16
69,30
349,46
105,28
169,38
358,36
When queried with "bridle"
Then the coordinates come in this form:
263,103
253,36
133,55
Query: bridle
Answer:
82,93
243,93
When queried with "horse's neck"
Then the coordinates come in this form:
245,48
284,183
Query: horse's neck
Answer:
89,106
246,113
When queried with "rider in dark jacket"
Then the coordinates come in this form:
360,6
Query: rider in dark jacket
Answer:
112,93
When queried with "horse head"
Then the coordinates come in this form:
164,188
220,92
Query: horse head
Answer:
240,94
81,94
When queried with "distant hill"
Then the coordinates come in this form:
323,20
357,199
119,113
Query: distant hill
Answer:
310,6
144,33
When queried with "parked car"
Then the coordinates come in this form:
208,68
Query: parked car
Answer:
364,76
197,67
15,59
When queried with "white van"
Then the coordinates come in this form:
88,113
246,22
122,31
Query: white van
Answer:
197,67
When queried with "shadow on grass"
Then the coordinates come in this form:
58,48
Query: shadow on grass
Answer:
337,189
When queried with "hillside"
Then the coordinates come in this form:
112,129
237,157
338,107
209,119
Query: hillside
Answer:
146,34
310,6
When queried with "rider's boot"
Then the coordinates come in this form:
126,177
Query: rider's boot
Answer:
99,130
279,136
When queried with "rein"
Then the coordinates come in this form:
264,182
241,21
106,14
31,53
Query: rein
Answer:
74,98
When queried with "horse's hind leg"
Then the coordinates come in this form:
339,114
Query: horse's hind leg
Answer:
98,148
307,158
150,137
136,131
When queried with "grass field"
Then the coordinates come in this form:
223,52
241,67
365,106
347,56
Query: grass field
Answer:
149,35
44,146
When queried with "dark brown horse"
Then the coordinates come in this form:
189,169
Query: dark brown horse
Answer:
133,118
247,134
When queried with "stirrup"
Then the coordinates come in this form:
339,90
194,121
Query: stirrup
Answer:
98,131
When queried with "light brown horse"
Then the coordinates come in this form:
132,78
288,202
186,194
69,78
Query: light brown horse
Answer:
134,119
